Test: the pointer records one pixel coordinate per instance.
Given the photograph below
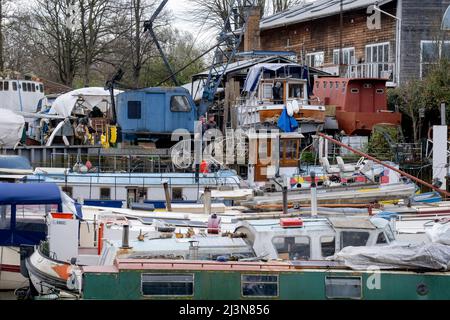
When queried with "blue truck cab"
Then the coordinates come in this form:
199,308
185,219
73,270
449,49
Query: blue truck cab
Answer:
155,112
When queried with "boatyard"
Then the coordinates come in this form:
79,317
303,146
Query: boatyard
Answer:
248,150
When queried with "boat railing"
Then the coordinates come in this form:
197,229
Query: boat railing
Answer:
379,70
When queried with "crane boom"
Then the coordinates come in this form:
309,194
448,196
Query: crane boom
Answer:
232,36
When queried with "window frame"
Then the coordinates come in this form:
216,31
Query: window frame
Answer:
260,282
311,57
440,44
295,237
177,189
330,277
103,189
345,51
172,98
137,104
335,244
341,238
165,281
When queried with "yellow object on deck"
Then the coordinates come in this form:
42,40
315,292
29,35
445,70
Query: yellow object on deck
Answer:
113,137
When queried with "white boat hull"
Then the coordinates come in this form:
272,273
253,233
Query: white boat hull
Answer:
10,276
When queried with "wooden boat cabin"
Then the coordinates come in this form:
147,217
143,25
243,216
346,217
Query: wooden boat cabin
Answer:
271,88
356,104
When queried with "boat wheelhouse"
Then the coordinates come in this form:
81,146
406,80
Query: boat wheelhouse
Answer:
270,89
21,95
357,104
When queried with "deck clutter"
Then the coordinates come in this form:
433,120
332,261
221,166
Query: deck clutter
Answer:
260,179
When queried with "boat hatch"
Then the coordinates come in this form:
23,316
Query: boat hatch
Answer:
353,223
291,223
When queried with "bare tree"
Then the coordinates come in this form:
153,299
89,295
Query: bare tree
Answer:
282,5
94,29
55,38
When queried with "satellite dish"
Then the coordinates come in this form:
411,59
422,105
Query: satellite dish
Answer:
295,106
446,20
289,109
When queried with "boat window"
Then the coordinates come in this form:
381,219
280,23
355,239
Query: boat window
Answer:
381,238
180,104
355,90
33,87
68,191
1,85
289,152
267,91
24,87
354,238
177,193
337,85
324,84
317,84
105,193
328,246
41,88
6,86
14,85
134,109
29,86
389,233
296,91
293,248
5,217
37,223
175,284
380,91
367,85
343,287
259,285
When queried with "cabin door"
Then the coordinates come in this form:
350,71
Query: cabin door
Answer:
367,102
263,154
155,112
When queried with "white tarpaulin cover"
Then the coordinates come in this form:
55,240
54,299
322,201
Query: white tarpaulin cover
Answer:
11,128
254,74
434,256
64,104
439,233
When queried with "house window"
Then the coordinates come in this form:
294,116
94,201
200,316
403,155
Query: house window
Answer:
177,193
105,193
348,56
68,191
315,59
176,284
293,248
179,104
354,239
134,110
264,286
328,246
377,59
343,287
430,53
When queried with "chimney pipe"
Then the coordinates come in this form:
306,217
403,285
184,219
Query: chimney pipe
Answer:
126,237
285,200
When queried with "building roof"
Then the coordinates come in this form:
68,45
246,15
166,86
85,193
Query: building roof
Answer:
314,10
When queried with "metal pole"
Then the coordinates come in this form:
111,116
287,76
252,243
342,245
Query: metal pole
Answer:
207,201
402,173
285,200
167,194
313,195
443,114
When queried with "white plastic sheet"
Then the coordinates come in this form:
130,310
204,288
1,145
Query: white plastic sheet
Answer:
439,233
11,128
64,104
433,256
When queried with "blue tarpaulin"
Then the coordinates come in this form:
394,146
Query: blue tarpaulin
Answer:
29,193
287,123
